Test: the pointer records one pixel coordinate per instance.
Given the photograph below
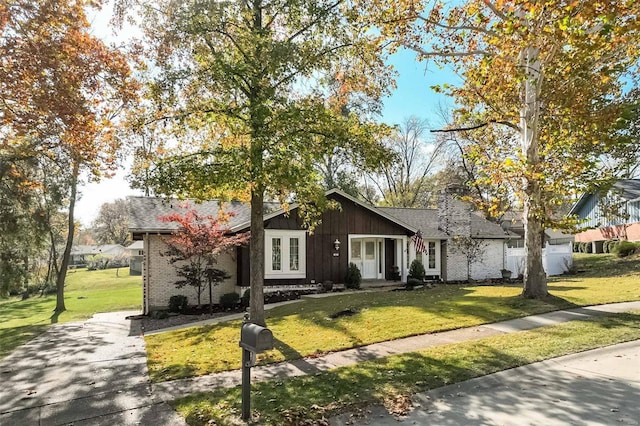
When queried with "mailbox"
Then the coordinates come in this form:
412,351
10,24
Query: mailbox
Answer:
255,338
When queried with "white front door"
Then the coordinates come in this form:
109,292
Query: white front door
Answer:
367,254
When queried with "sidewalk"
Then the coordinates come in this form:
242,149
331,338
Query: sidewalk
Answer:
168,391
597,387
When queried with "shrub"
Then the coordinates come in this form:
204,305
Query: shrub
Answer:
178,303
624,248
576,246
413,282
353,278
605,247
416,270
246,297
159,314
229,300
327,285
588,248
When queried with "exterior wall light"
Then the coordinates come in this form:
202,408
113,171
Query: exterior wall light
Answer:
336,244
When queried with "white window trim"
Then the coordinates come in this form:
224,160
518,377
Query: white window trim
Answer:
284,236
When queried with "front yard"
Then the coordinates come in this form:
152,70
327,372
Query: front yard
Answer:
86,292
306,329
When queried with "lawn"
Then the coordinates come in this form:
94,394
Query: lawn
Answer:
86,293
389,381
305,329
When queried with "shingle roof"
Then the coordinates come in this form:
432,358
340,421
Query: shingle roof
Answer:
145,212
630,188
426,220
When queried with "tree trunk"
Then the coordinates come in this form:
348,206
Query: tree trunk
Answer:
66,255
535,279
256,255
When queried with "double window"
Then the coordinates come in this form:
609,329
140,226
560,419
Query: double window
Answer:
285,254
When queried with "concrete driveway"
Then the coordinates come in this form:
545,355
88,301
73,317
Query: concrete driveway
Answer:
598,387
82,373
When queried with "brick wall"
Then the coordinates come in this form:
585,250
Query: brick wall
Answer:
492,261
455,220
160,277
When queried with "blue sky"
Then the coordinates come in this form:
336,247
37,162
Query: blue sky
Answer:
413,96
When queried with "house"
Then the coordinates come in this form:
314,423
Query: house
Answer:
460,245
512,221
136,255
614,215
82,254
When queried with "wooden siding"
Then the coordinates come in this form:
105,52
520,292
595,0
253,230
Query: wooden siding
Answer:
321,263
591,211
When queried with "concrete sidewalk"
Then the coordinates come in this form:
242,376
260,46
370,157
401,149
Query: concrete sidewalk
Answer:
172,390
598,387
82,373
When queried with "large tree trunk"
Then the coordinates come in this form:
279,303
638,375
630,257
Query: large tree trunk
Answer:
66,255
256,254
535,279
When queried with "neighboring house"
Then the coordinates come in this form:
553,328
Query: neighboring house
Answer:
611,216
81,254
512,221
136,253
460,245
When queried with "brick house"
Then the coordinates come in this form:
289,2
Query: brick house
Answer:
459,245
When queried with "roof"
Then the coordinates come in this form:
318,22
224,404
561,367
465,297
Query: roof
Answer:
426,220
629,190
145,212
136,245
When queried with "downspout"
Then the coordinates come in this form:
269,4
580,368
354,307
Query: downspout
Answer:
145,274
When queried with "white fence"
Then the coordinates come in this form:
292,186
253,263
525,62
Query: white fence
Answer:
556,259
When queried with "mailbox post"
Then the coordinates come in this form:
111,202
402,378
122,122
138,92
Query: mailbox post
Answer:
253,339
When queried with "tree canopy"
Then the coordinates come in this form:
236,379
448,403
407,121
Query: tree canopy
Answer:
244,90
542,83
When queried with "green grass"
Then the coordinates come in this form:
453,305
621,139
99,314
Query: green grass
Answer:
86,293
300,400
305,329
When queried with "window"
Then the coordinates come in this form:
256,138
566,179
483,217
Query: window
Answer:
432,254
369,250
276,254
294,254
356,250
284,254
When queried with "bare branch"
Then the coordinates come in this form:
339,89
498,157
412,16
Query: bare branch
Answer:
479,126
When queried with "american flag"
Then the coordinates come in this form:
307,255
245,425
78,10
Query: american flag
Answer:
418,242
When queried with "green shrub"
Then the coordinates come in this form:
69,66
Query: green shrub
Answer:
353,277
588,248
246,298
605,247
413,282
612,246
576,246
416,270
229,300
178,303
625,248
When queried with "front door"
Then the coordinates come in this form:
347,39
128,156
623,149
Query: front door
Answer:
367,254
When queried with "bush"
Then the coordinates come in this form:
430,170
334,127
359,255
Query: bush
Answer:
416,270
246,297
413,282
229,300
353,278
612,246
576,246
624,248
605,247
178,303
588,248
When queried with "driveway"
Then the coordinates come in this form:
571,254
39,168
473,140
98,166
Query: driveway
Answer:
598,387
82,373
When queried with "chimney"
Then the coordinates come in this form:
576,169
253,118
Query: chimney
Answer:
454,216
